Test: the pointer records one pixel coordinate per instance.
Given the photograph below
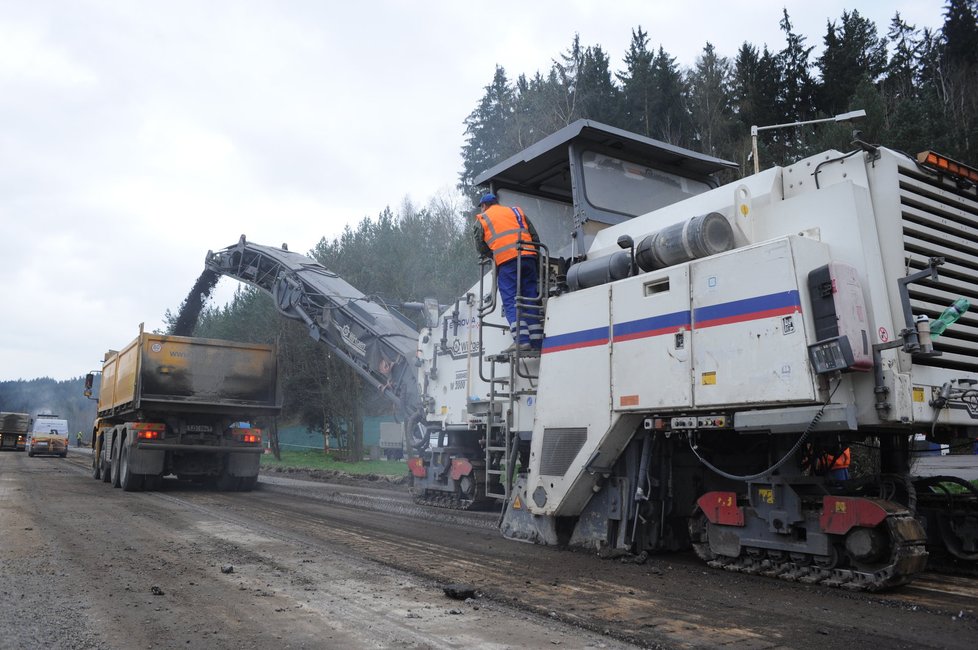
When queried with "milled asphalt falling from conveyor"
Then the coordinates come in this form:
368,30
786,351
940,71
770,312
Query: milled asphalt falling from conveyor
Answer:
190,309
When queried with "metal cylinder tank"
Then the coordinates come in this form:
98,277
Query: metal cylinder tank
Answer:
707,234
591,273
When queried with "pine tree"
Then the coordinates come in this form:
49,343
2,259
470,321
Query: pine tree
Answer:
599,99
487,128
670,118
638,85
755,95
710,101
797,92
853,53
960,32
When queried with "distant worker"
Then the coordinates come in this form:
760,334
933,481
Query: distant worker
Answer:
508,237
79,438
836,466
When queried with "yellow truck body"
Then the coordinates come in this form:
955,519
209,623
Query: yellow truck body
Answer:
178,373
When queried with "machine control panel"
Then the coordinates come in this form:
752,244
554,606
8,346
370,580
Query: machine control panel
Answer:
690,422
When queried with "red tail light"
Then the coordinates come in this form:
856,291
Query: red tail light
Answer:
248,436
149,430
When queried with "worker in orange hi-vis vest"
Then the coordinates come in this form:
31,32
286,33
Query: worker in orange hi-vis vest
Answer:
837,466
507,236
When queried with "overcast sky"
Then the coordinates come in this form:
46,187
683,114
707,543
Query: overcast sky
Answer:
135,136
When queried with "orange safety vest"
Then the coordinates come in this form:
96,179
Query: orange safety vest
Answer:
502,230
842,462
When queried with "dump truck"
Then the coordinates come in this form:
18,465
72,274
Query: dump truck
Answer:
183,406
48,436
13,431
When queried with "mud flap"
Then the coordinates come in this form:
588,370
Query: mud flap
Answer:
243,464
145,461
521,525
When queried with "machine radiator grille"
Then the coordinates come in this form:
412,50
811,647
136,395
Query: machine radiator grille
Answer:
560,447
939,221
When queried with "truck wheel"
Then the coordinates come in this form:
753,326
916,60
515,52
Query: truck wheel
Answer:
114,463
128,481
106,468
96,466
152,482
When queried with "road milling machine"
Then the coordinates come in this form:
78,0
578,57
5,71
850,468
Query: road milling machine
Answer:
709,351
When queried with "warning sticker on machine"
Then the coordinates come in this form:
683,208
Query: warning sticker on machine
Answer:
709,378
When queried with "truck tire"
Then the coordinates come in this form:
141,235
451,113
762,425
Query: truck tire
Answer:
128,481
152,482
105,467
114,463
96,466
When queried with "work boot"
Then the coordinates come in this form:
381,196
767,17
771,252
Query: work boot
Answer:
522,347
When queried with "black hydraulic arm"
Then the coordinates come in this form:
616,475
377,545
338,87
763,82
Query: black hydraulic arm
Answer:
376,342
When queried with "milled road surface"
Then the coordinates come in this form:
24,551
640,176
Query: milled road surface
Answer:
309,565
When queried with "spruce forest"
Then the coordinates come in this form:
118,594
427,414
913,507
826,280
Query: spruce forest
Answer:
919,88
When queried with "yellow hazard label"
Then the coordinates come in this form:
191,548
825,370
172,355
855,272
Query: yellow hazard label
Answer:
766,495
709,378
517,504
744,209
840,506
918,394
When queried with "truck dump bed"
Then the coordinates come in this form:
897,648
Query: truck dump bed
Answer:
168,374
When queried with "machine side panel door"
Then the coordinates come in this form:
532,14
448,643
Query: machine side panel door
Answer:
573,411
749,340
651,342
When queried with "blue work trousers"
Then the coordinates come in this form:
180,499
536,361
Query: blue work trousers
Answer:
527,328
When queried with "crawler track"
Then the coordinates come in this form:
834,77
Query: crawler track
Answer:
908,558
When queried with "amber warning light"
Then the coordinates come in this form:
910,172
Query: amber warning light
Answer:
945,165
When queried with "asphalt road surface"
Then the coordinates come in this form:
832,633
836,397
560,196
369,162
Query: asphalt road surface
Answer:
312,565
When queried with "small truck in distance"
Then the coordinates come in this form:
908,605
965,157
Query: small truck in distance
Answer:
13,430
184,406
